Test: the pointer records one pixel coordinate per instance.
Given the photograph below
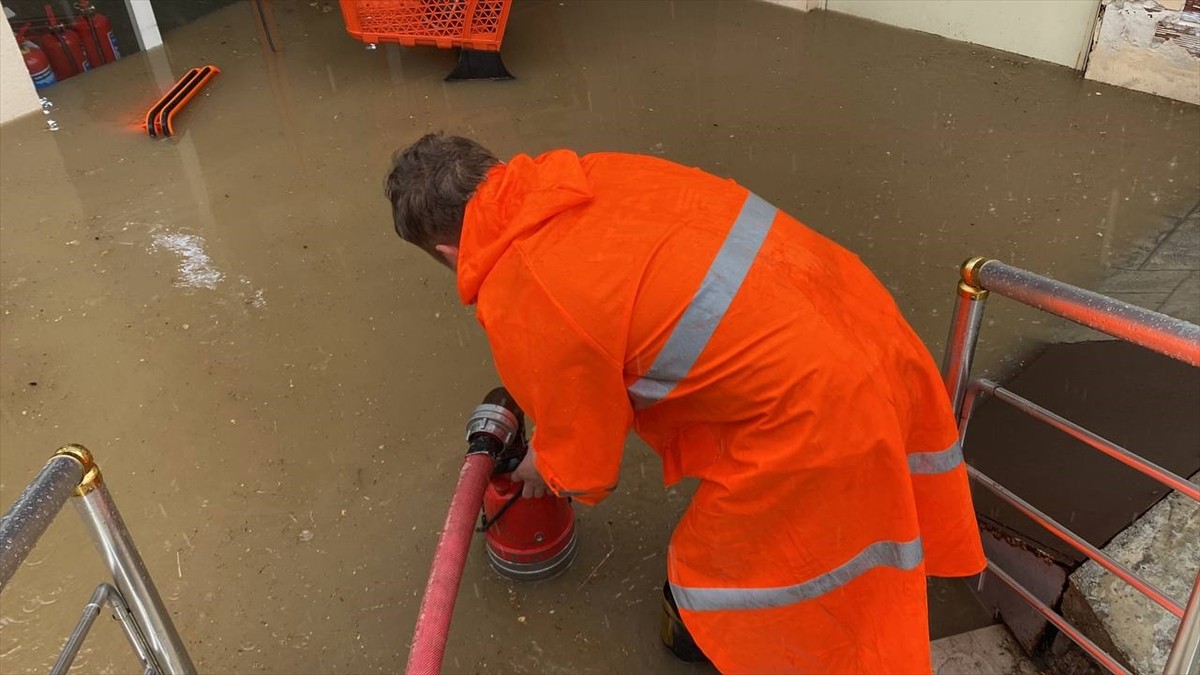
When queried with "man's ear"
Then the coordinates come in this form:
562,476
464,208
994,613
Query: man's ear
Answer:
449,254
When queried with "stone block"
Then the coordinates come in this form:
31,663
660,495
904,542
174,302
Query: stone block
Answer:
1030,567
1163,547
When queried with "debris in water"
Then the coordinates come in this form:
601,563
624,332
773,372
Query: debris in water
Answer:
305,535
196,269
597,567
12,651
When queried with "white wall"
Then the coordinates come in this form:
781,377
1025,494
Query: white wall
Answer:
1058,31
17,95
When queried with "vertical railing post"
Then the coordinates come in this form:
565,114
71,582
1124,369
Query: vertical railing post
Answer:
1184,658
103,521
964,333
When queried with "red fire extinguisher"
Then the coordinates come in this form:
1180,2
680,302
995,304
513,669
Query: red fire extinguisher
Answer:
64,49
95,31
36,62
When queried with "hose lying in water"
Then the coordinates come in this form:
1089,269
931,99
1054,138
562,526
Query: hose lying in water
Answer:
437,607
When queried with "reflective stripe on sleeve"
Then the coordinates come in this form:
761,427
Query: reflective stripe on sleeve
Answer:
926,463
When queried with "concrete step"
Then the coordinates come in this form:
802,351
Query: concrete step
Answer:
991,651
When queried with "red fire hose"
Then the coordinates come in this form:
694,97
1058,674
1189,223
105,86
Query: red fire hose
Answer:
437,607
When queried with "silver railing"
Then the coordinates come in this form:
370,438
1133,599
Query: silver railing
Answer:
1166,335
132,596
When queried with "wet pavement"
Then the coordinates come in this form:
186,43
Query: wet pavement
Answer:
275,387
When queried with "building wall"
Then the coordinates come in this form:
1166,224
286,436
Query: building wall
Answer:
17,95
1151,47
1058,31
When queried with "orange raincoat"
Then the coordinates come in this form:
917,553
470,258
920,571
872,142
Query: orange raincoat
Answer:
623,291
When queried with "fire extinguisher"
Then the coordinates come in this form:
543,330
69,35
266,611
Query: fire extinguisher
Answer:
64,49
36,62
95,31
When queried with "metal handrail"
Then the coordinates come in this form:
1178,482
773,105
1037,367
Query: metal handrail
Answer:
1082,545
1101,656
1185,653
1130,459
144,618
27,519
1169,336
1164,334
105,593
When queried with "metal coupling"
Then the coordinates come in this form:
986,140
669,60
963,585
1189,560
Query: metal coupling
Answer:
970,286
91,472
493,420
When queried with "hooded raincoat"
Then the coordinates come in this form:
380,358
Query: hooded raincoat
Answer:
622,291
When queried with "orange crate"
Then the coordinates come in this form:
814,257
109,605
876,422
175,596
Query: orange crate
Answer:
469,24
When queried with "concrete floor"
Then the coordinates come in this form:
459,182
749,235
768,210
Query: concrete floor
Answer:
275,386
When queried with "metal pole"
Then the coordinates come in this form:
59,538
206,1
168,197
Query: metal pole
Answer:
1082,545
104,593
975,391
1098,442
964,333
1166,335
1101,656
1184,658
102,519
25,522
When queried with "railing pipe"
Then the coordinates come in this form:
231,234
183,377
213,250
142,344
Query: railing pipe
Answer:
964,333
105,593
112,538
1134,461
1101,656
1185,653
1054,527
1164,334
27,519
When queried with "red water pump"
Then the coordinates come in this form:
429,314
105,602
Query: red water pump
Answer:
527,539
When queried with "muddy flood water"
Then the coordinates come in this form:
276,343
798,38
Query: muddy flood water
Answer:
276,387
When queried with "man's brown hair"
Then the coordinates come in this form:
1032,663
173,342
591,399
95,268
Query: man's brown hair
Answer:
429,186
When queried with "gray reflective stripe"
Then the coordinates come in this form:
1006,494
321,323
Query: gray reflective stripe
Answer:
708,306
899,555
935,462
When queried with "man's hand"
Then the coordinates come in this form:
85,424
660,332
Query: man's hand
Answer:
528,474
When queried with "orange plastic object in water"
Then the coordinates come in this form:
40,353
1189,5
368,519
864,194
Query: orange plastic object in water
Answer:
445,24
161,116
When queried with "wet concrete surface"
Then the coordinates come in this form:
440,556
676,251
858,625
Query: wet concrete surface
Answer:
275,386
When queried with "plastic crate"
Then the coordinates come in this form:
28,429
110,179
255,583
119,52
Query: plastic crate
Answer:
468,24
